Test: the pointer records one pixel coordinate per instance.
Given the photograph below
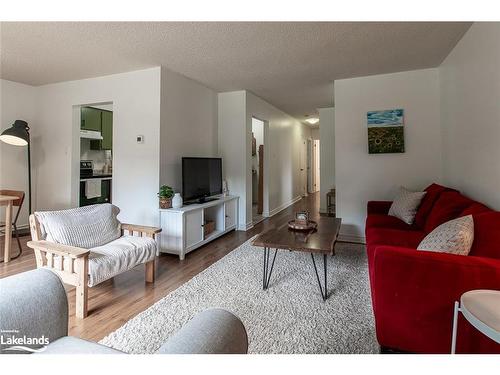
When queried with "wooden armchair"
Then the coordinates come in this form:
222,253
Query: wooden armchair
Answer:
71,263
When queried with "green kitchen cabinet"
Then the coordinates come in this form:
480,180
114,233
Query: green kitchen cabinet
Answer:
91,119
98,120
107,130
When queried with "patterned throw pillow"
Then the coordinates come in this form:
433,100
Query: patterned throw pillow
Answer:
405,205
454,237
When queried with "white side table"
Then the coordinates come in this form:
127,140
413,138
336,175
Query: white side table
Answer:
481,308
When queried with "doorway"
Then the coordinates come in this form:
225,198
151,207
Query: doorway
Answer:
257,170
92,171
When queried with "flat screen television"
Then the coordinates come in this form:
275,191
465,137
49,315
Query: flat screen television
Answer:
201,178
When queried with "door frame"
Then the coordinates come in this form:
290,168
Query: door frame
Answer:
310,181
316,165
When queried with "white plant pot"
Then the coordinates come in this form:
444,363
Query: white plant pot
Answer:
177,201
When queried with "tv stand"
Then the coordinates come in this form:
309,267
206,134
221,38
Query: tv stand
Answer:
205,200
183,228
201,201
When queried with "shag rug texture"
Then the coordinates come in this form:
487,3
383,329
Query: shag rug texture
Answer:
289,317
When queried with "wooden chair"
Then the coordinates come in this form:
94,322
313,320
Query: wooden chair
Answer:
19,204
71,263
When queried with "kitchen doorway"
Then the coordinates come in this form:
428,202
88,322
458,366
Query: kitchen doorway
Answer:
93,125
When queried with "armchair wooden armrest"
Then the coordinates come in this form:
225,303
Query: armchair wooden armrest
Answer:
70,263
149,231
58,249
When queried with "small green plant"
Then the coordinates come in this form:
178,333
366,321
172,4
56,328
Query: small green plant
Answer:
166,192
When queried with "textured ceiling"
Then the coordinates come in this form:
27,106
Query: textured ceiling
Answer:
291,65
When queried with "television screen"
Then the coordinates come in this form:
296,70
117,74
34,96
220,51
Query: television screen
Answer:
201,177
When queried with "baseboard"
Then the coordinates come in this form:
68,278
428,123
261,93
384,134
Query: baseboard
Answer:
245,227
23,230
351,238
249,226
283,206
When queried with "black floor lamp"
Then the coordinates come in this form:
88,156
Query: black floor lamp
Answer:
19,135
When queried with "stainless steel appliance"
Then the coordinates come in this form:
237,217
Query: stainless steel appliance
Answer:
95,187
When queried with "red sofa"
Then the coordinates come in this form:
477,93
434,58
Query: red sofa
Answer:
413,292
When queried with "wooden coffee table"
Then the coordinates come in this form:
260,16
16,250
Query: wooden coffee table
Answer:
319,241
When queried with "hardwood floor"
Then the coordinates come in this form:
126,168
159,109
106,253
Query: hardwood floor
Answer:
116,301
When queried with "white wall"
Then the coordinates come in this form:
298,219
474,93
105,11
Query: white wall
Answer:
136,110
361,177
327,154
17,102
470,99
232,147
188,124
283,136
315,133
157,103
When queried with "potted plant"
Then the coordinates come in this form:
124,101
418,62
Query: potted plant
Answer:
165,195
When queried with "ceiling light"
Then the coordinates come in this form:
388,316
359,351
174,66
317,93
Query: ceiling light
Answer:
312,120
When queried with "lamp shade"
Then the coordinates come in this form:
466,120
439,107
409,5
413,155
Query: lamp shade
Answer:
17,134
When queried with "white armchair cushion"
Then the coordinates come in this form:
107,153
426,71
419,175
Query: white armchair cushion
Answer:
85,227
119,256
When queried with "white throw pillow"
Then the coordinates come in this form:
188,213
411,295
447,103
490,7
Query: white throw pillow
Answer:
86,227
454,237
405,205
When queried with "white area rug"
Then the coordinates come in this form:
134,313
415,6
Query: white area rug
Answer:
290,317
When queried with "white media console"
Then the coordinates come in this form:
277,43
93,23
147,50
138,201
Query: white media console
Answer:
183,228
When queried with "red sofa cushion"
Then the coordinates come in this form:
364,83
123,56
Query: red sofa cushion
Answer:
414,296
393,237
449,205
475,209
486,236
386,221
433,193
378,207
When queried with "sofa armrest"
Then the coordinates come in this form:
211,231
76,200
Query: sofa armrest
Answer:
131,228
34,304
213,331
378,207
414,294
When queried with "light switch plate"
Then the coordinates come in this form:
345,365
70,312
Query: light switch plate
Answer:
139,139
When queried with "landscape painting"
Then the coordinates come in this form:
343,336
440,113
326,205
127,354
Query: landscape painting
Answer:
386,131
